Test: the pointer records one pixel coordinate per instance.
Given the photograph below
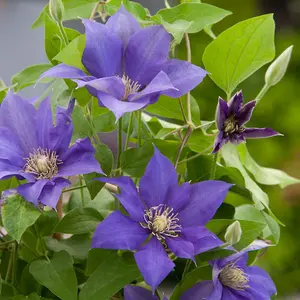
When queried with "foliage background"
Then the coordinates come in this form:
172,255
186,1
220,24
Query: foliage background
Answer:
279,109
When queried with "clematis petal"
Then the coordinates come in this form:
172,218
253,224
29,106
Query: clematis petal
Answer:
202,238
245,112
160,84
235,103
178,196
160,175
239,259
237,138
206,198
118,107
63,71
183,75
221,113
124,24
181,247
19,116
220,141
52,191
31,191
132,292
79,159
7,169
146,53
153,262
230,294
109,85
256,133
119,232
103,51
128,197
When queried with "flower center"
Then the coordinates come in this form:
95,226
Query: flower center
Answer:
130,86
234,277
231,126
42,163
161,221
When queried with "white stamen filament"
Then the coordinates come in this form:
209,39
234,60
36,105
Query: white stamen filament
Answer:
130,86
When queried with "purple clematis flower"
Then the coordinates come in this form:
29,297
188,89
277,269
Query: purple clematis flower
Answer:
128,65
32,148
230,120
162,216
233,280
132,292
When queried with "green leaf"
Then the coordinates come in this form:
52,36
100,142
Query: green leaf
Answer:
82,127
169,108
199,142
57,275
112,274
46,222
264,175
33,296
71,55
105,122
27,282
18,215
29,76
7,184
7,291
95,258
240,51
79,221
3,90
199,15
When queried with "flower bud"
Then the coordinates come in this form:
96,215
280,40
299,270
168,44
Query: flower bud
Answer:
233,233
278,68
56,10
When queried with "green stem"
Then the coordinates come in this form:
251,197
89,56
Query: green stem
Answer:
167,5
214,166
189,59
81,192
6,243
9,268
186,269
90,121
139,117
14,267
95,9
183,143
182,111
120,142
128,131
262,92
74,188
63,33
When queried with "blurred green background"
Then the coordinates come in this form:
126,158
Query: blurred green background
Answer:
280,110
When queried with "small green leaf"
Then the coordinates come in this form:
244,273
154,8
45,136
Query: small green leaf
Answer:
18,215
112,274
95,258
46,222
82,127
240,51
57,275
199,142
105,122
79,221
29,76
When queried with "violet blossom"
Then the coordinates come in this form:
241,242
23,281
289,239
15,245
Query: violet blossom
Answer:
162,217
33,148
128,65
230,120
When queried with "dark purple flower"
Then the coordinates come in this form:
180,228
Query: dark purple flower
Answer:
33,148
171,217
233,280
129,65
231,118
132,292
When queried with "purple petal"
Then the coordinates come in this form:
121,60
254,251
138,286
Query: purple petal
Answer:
118,107
7,169
109,85
202,238
220,141
230,294
146,53
203,290
245,112
160,175
128,197
206,198
160,84
119,232
235,103
181,247
132,292
237,138
256,133
52,191
63,71
103,51
19,116
178,196
123,24
31,191
239,259
153,262
183,75
79,159
221,113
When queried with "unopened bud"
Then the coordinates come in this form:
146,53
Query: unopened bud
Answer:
278,68
233,233
56,10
